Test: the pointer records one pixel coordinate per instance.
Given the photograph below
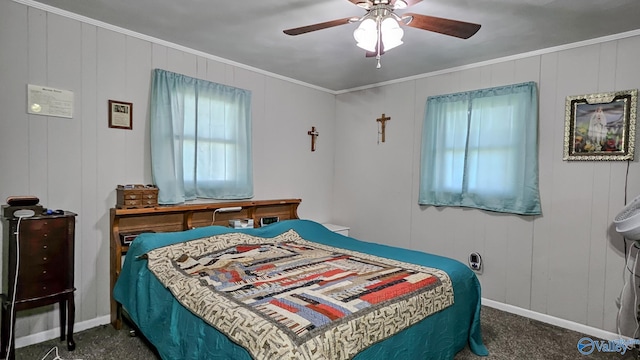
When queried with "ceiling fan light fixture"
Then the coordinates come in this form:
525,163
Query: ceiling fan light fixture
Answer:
368,46
366,35
400,4
391,33
371,47
391,43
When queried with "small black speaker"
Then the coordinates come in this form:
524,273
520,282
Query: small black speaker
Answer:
22,200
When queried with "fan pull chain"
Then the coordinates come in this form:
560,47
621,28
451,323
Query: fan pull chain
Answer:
379,40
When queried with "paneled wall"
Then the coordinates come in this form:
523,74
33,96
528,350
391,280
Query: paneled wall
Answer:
568,262
75,164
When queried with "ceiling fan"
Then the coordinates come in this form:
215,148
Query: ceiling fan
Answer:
380,30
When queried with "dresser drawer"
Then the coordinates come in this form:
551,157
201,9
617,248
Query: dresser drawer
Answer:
37,289
131,195
41,281
131,203
153,196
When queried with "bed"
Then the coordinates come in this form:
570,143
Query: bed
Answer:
173,327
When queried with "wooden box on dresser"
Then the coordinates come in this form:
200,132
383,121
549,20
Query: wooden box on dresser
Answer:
38,251
136,196
126,222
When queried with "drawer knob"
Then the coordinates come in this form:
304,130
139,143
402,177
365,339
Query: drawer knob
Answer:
44,246
44,258
44,271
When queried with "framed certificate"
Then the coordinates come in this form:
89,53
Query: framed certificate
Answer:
120,115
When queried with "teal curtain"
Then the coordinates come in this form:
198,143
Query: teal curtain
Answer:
200,139
480,150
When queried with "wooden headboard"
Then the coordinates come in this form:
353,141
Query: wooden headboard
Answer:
180,218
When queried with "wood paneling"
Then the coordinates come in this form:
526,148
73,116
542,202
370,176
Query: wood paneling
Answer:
349,180
567,262
77,163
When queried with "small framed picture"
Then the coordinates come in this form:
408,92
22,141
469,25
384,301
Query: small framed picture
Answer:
600,126
120,115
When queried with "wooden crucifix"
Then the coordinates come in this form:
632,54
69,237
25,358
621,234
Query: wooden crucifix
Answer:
383,121
314,134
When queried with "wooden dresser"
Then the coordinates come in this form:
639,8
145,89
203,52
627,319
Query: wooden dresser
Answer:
41,249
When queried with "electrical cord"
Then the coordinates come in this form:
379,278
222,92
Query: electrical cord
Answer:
15,287
213,217
624,287
225,209
635,288
58,357
635,293
49,352
626,182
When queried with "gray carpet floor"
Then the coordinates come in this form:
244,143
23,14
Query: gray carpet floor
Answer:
507,336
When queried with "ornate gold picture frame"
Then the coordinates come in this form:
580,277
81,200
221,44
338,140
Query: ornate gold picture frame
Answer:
600,126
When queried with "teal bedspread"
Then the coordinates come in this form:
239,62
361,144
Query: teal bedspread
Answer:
179,334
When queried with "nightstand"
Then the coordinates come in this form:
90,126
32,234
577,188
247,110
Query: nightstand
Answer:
41,249
342,230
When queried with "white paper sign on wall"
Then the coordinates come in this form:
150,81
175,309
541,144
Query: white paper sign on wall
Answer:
42,100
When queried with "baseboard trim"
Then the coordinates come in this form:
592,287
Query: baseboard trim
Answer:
566,324
552,320
55,333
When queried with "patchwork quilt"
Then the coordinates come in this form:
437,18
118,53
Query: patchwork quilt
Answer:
286,297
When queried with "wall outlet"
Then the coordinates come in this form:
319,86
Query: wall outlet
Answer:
475,261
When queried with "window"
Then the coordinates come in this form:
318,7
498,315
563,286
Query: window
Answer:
200,139
479,149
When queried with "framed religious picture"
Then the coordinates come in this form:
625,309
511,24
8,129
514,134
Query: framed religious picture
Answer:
600,126
120,115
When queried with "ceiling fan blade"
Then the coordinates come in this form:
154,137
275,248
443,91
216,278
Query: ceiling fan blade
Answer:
319,26
459,29
373,53
356,2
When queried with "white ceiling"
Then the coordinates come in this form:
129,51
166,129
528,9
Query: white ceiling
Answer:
250,32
